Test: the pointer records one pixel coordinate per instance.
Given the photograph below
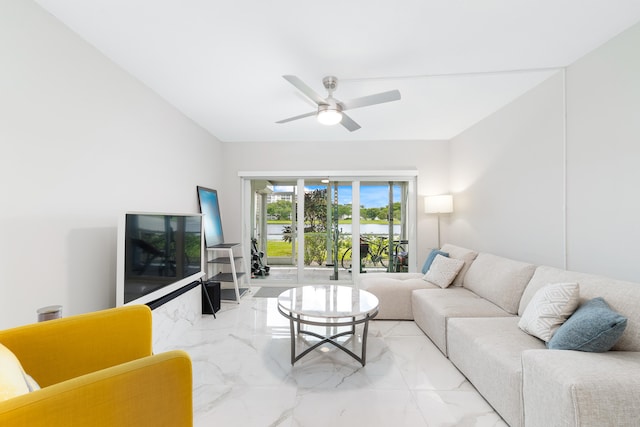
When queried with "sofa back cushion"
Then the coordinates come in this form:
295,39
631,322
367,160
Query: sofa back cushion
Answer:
623,297
500,280
467,255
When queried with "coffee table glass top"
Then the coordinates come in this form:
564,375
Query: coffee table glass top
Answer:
328,301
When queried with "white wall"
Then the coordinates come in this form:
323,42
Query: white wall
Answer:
429,158
603,129
82,142
507,179
509,170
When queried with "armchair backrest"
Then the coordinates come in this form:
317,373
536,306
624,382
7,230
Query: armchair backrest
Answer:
60,349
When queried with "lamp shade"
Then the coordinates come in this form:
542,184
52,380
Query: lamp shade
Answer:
438,204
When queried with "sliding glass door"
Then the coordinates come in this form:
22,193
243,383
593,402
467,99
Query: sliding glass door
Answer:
327,210
383,231
323,229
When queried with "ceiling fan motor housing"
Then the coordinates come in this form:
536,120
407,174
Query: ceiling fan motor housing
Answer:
330,83
330,105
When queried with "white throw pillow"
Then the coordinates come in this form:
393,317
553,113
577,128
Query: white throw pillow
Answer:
549,308
12,377
443,270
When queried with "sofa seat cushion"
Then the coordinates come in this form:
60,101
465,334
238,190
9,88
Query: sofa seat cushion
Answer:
488,352
394,295
573,388
500,280
385,275
433,307
621,296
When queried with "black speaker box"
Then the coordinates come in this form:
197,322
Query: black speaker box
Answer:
213,290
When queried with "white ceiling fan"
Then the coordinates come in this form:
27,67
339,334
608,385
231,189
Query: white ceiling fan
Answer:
330,110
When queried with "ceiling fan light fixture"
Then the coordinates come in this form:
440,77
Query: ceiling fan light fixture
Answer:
328,115
330,109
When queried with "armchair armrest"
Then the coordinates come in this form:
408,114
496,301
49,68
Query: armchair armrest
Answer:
153,391
573,388
57,350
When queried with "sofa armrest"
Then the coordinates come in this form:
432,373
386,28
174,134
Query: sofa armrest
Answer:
57,350
572,388
154,391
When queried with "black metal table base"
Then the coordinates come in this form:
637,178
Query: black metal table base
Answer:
295,322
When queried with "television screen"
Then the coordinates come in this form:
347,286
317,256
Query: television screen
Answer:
159,253
212,221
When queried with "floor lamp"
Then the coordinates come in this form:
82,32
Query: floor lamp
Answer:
438,205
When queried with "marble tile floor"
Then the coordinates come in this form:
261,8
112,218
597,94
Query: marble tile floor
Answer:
243,376
280,275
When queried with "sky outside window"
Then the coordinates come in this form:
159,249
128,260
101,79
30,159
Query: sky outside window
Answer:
371,196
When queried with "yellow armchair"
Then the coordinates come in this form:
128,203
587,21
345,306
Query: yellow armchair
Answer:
97,369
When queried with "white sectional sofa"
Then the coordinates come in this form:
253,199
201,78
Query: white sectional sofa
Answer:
474,322
394,289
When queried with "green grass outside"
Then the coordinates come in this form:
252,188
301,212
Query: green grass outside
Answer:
282,248
278,248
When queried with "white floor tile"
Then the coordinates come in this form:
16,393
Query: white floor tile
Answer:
243,376
457,409
363,407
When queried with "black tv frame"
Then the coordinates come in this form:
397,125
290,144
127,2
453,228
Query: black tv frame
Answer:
162,287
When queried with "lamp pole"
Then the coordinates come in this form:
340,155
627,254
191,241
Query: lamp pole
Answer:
438,205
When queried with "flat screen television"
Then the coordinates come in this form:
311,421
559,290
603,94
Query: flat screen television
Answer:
210,209
157,254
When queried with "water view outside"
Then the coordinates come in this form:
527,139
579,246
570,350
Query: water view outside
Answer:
275,231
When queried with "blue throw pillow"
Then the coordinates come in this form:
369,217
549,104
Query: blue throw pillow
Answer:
594,327
432,255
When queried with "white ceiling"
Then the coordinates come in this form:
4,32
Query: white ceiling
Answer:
454,61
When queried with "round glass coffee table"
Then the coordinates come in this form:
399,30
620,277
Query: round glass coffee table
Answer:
333,307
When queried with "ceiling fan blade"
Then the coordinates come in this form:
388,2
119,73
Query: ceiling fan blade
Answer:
301,116
378,98
302,87
348,123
